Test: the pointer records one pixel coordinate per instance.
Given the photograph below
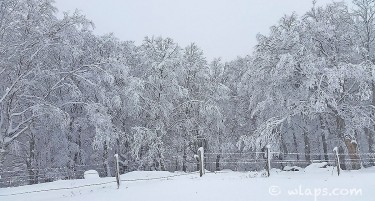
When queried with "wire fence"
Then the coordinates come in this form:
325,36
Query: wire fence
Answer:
214,163
97,184
21,176
26,176
56,189
257,161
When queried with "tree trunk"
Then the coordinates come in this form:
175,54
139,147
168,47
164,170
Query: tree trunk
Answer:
284,149
184,169
33,179
351,145
342,158
307,146
295,144
371,134
324,139
161,162
105,159
3,153
371,146
325,147
218,162
370,140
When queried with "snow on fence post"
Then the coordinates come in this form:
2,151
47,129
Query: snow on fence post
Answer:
268,156
201,161
336,150
118,180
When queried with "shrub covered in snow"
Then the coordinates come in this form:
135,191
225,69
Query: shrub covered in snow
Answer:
91,174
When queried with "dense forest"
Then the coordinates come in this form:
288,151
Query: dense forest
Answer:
69,97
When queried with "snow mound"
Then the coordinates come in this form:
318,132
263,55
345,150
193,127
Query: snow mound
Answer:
91,174
317,167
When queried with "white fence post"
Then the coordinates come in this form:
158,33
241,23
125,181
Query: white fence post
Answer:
201,161
268,153
118,179
337,160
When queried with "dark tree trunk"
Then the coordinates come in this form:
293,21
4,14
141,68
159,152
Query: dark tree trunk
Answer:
342,158
3,153
218,162
371,142
371,134
295,144
32,175
184,168
105,159
324,128
307,146
325,147
370,137
283,147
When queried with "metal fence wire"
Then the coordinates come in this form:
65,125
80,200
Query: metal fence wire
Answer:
256,161
240,161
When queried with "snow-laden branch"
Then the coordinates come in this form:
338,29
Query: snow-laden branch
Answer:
12,130
5,94
71,73
22,112
86,80
263,135
8,140
9,89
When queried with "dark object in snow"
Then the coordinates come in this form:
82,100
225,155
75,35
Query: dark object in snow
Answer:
293,169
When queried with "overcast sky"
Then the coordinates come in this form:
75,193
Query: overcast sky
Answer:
222,28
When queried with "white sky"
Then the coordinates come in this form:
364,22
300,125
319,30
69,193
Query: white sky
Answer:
222,28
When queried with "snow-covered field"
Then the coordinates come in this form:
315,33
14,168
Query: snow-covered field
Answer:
310,184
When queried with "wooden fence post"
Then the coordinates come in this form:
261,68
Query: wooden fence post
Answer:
268,156
337,160
201,161
118,179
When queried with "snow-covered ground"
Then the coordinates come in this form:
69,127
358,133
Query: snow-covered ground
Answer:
310,184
